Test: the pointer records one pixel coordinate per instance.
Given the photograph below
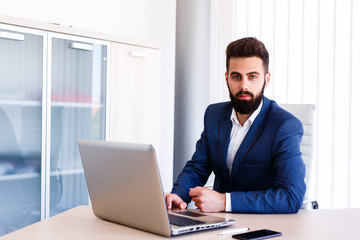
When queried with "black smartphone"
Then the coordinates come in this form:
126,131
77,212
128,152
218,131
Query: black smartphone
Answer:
256,235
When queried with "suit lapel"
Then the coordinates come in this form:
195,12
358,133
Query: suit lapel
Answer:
251,137
224,139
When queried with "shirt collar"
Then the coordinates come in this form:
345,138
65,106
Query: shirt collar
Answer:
252,117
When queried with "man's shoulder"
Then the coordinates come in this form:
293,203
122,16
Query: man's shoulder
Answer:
220,105
277,110
279,115
222,108
218,111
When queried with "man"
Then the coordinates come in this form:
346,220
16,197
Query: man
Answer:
251,144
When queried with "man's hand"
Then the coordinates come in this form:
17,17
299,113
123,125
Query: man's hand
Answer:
208,200
173,200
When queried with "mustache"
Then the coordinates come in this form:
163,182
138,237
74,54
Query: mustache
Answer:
242,92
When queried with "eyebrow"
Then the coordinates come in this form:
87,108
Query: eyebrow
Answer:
249,73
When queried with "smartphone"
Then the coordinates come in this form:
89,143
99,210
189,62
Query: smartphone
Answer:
256,235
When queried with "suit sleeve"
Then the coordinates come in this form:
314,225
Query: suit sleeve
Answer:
196,171
287,193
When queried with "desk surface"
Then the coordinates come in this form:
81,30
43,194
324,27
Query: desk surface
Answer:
81,224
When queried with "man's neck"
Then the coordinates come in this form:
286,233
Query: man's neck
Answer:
243,117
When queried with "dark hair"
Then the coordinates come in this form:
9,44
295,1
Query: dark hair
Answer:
247,47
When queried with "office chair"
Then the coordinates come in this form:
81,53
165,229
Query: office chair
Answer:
306,114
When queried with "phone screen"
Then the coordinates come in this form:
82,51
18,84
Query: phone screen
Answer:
256,235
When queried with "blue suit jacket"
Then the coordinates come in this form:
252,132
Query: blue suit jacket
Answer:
268,171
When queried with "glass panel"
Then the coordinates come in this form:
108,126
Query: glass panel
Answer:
21,73
77,111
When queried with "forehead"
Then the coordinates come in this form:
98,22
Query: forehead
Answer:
246,64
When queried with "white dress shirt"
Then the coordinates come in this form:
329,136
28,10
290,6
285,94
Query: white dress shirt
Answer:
238,133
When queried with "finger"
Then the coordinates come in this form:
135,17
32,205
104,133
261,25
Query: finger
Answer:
201,206
168,201
195,198
179,203
193,192
175,200
183,205
198,205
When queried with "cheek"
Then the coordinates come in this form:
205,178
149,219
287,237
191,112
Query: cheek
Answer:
233,88
258,89
234,85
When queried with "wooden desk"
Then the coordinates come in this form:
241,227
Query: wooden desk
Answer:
80,224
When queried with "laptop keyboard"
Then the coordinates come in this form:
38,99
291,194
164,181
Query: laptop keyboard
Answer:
183,221
191,214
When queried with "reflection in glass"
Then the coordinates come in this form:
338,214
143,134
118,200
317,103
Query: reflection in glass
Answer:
21,77
11,160
77,111
19,180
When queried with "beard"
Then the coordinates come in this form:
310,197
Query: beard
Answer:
246,106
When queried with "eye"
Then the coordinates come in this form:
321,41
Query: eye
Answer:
236,77
252,76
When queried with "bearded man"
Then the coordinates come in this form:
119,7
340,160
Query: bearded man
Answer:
250,143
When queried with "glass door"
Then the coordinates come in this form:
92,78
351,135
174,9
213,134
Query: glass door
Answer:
22,57
78,77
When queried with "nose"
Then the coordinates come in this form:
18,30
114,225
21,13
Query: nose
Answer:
244,85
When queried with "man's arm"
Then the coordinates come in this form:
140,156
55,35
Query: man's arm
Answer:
197,170
288,189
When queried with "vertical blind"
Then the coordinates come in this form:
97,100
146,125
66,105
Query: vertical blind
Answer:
314,58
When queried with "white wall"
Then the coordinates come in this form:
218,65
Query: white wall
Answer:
145,20
192,77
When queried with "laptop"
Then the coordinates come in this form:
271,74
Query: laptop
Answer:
125,187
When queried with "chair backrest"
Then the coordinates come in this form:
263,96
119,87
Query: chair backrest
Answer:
306,114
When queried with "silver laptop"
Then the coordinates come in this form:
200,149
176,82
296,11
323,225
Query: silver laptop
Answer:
125,187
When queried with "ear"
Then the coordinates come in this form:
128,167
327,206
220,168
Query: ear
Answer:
267,79
226,78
